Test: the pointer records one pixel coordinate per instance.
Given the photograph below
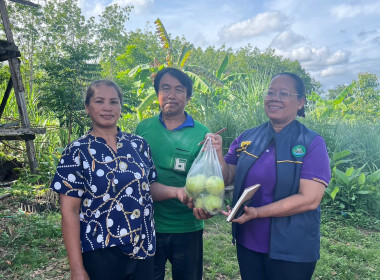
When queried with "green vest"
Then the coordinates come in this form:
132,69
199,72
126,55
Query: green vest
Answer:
173,152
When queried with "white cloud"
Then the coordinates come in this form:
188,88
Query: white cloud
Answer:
302,54
333,40
344,11
350,11
316,58
261,24
95,8
338,57
330,71
287,39
139,5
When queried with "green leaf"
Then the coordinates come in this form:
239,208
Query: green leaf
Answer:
361,179
332,193
222,67
342,161
342,176
373,177
344,93
162,34
185,54
148,101
363,192
349,171
339,155
198,83
138,69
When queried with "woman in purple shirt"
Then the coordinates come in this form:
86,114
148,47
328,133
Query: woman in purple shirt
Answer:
278,235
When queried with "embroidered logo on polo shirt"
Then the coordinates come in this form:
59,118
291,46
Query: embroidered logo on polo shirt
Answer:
299,151
180,164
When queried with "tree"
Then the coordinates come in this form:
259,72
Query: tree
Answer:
112,36
360,100
69,42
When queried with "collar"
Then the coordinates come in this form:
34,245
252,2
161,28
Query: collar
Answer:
119,133
189,122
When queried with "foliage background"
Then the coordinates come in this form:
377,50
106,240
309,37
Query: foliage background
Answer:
62,52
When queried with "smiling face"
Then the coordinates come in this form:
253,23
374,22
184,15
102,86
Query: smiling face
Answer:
172,96
104,107
283,112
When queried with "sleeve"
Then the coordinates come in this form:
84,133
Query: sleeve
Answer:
232,156
68,178
145,156
152,174
138,129
316,164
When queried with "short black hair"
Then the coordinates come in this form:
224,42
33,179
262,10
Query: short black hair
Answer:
91,90
181,76
300,88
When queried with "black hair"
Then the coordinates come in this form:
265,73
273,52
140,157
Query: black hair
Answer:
300,88
91,90
181,76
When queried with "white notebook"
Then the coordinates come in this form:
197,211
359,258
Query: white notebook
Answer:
245,196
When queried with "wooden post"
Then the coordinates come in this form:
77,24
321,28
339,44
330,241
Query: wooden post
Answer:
14,66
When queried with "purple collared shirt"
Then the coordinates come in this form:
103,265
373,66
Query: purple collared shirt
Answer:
255,233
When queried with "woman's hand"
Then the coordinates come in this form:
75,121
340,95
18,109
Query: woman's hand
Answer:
216,141
226,213
79,275
70,209
250,213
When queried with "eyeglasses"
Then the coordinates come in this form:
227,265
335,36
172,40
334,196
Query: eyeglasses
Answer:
281,95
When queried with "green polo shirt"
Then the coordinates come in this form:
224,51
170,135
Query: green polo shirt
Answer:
173,152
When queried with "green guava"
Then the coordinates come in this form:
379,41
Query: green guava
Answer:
215,185
198,202
212,204
195,185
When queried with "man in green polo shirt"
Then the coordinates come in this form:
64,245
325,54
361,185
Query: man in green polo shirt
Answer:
173,136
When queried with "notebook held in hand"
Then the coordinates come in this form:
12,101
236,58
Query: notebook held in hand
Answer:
242,201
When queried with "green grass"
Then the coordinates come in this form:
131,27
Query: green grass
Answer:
31,247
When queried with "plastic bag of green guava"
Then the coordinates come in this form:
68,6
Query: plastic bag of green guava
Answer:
204,182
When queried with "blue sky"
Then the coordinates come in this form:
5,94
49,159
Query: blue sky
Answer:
333,40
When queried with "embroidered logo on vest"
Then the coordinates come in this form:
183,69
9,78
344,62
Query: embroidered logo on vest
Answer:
180,164
243,146
298,151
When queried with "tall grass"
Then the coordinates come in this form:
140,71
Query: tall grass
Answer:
241,108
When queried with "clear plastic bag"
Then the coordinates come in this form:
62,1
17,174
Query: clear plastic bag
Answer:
204,182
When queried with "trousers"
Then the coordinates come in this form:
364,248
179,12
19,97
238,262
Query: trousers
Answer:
185,253
258,266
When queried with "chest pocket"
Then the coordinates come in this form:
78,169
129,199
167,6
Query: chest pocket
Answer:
181,161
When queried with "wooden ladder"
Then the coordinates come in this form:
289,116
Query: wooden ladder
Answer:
10,52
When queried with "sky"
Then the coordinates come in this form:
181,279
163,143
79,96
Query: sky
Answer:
333,40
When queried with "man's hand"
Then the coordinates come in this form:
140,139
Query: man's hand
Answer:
181,195
201,214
